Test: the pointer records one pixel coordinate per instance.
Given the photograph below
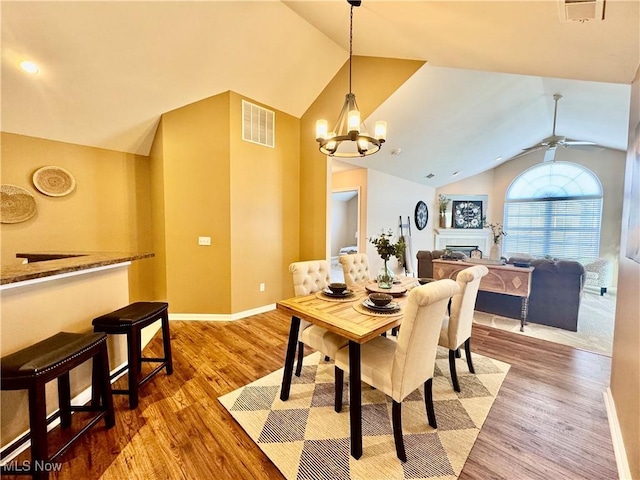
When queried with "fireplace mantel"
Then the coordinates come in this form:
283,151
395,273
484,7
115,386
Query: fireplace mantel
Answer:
462,236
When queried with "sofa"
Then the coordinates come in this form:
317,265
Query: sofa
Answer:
556,291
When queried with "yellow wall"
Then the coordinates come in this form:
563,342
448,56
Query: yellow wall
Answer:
264,210
373,81
109,210
625,361
196,200
209,182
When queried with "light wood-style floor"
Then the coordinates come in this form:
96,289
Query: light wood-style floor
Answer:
548,421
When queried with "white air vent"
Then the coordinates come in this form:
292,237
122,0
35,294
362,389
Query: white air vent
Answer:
581,10
258,124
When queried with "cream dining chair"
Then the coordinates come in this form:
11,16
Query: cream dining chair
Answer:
398,368
355,268
456,327
310,277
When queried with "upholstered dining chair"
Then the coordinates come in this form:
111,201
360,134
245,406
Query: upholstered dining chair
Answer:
456,327
355,268
397,368
310,277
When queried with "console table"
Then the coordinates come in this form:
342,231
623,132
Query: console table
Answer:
504,279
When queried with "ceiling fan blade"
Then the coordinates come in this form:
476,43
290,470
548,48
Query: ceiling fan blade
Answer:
550,155
526,151
571,143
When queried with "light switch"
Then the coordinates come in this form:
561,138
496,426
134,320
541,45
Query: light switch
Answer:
204,241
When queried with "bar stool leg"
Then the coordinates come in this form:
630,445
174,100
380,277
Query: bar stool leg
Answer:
38,427
166,340
101,364
64,400
133,344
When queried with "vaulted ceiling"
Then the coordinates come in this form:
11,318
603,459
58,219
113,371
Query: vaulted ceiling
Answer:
108,70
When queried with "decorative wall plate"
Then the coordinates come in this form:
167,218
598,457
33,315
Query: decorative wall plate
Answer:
421,215
54,181
17,204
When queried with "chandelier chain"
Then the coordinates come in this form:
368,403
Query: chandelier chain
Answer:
350,44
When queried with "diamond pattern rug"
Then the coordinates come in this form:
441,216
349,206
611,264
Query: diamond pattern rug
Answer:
306,439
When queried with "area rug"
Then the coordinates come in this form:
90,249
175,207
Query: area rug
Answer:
306,439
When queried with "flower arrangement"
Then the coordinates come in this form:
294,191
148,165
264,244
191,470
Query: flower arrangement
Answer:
496,230
443,203
385,248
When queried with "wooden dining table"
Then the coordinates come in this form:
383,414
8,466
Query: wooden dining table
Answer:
357,326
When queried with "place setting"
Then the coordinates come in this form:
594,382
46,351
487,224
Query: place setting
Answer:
379,304
336,292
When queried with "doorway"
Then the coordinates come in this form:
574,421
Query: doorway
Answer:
345,218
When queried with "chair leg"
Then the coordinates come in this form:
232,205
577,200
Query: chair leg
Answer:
452,369
428,401
38,426
339,376
396,413
458,355
300,357
467,352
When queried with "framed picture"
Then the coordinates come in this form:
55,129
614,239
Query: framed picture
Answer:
475,253
467,214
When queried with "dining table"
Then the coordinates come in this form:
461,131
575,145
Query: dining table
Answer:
349,318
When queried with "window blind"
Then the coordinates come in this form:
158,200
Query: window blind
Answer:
562,228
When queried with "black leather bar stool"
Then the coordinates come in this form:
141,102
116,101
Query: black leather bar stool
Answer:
32,367
130,320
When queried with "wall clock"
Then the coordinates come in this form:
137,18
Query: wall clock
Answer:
467,214
421,215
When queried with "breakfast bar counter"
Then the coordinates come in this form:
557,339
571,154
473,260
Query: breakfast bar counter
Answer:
58,292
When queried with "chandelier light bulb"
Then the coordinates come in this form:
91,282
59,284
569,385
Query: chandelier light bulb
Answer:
322,128
381,130
29,67
353,121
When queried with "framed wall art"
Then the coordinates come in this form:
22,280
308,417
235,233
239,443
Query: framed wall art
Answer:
467,214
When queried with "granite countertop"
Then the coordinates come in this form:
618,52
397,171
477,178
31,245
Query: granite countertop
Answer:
46,264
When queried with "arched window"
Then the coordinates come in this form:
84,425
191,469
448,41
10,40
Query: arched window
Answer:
554,209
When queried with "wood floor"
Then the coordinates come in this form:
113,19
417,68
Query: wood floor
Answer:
548,421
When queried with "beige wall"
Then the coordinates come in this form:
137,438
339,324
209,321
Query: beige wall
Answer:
606,164
625,367
315,182
109,210
355,179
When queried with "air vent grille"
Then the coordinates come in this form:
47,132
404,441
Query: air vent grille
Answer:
581,10
258,124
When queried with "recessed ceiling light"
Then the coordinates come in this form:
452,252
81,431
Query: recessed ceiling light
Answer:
29,67
455,174
498,159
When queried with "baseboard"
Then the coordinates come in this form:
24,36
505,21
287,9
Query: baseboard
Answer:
221,317
81,399
616,437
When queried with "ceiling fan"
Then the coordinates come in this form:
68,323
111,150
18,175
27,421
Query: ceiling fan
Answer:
550,144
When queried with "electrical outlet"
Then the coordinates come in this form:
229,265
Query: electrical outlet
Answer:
204,241
262,287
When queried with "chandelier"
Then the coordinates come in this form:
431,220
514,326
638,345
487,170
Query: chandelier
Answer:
349,138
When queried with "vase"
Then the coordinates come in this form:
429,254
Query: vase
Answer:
385,277
443,220
496,252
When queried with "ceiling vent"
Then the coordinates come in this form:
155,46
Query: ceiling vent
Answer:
258,124
581,10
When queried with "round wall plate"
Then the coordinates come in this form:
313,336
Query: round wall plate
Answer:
421,215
